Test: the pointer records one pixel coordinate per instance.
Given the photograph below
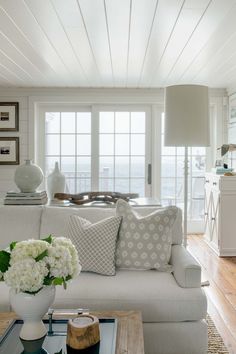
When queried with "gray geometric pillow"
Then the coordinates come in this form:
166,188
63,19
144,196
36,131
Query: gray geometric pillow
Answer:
144,242
95,243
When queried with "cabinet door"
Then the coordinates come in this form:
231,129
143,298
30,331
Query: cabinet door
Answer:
215,204
208,223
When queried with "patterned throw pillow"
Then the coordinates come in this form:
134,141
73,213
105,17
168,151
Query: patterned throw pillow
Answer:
144,242
95,243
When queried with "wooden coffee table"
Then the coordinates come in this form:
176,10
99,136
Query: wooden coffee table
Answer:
129,333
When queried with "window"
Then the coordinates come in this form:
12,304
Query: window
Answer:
122,151
172,177
68,140
99,148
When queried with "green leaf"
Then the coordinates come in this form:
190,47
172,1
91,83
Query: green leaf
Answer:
69,277
12,245
48,280
58,281
4,261
41,255
48,239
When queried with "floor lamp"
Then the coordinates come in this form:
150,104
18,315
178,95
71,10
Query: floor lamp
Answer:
187,125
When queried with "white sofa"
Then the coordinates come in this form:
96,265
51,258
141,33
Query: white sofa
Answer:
173,306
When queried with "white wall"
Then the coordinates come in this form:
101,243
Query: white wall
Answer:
29,99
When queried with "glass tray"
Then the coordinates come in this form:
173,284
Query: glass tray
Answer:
11,344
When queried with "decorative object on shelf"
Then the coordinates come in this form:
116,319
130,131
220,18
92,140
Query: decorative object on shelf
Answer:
28,177
186,124
225,148
31,269
90,197
16,198
9,116
56,182
83,333
9,151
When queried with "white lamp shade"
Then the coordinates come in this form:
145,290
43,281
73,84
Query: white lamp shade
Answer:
187,115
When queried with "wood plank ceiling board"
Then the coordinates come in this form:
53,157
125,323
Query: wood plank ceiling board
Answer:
117,43
27,24
13,36
142,17
217,27
187,22
95,22
51,25
72,21
163,26
118,25
222,65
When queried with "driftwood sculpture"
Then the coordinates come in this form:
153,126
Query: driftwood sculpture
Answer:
89,197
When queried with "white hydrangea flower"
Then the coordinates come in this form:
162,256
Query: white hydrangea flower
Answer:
75,266
62,264
26,275
26,249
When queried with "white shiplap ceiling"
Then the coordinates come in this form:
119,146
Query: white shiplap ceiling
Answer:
117,43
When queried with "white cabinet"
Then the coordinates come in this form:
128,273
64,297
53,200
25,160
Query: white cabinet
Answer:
220,213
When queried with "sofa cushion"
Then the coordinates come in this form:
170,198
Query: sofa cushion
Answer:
19,223
144,241
156,294
55,219
4,297
95,243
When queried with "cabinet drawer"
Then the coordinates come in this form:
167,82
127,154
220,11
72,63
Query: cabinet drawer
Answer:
213,181
220,182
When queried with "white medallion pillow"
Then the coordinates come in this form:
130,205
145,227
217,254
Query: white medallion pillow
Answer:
144,242
95,243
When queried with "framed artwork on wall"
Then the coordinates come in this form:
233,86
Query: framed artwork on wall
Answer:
9,151
9,116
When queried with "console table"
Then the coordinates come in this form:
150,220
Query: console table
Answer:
137,202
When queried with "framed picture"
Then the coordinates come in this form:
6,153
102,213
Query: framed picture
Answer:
9,116
9,151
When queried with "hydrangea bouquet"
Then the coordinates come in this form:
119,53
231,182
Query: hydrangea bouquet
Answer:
28,266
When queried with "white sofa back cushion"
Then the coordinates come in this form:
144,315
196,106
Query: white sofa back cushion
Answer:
18,223
55,219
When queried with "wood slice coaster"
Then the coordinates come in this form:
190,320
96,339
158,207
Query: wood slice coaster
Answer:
82,332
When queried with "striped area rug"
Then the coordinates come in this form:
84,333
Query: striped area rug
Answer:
215,342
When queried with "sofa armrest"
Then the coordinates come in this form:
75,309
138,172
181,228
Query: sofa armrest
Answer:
186,270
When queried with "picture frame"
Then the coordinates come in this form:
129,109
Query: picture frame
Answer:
9,151
9,116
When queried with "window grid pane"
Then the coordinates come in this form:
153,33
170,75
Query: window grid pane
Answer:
68,141
122,152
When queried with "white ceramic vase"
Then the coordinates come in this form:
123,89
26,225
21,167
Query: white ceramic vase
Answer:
56,182
31,309
28,177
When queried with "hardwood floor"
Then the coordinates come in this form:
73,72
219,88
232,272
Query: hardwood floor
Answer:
221,294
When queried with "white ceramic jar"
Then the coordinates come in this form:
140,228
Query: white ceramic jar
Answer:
56,182
28,177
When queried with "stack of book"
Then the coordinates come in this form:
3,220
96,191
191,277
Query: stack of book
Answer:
19,198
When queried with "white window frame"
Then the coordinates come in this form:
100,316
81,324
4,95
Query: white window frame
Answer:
94,109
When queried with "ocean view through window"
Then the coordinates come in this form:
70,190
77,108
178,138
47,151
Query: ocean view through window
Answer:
107,151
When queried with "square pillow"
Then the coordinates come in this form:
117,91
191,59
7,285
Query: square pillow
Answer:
144,242
95,243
